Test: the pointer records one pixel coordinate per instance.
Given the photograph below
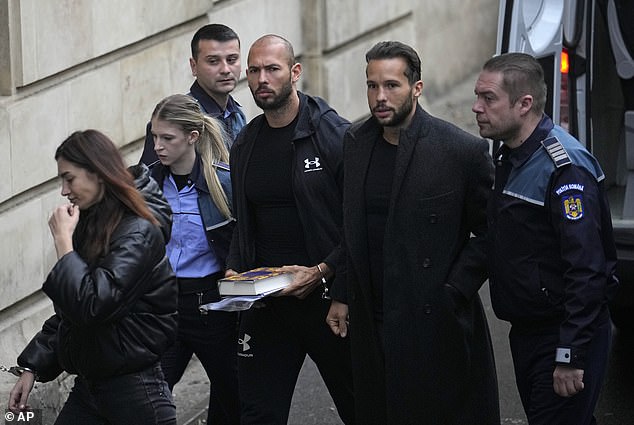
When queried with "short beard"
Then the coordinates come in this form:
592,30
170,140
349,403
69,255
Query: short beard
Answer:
400,115
279,101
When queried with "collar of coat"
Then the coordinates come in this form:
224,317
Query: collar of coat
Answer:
311,110
160,172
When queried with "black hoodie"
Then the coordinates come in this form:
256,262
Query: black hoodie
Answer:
317,188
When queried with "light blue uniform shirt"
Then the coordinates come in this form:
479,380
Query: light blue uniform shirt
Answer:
188,251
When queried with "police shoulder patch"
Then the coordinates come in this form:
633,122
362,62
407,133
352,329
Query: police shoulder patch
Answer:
556,151
572,206
569,186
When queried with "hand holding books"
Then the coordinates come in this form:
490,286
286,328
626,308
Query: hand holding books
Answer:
241,291
306,279
296,281
255,282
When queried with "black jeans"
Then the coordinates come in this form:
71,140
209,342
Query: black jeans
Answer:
212,337
140,398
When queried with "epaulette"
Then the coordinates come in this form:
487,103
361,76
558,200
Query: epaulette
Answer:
556,151
222,165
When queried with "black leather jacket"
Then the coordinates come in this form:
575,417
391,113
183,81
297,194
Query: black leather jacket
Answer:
116,317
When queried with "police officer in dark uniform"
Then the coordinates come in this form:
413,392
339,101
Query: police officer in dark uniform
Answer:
551,250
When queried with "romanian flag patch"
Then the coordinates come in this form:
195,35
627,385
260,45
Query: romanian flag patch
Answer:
572,206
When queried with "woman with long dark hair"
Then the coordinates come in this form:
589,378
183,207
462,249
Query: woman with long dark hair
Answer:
113,291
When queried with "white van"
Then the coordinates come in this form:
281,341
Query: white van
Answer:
586,49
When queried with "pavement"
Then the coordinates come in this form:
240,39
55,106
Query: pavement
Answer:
191,395
311,402
311,405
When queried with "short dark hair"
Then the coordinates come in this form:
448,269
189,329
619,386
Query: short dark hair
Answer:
217,32
521,74
396,49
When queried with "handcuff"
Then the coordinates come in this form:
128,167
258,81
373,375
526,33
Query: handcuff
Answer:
324,295
17,370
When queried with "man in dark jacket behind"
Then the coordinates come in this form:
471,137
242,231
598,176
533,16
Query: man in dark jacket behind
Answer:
286,173
551,250
215,63
415,190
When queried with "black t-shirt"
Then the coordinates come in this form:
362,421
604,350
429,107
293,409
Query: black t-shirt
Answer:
378,189
181,180
279,234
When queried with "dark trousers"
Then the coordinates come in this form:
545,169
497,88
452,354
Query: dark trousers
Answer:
534,360
273,344
212,337
140,398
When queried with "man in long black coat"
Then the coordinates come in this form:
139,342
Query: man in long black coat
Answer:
415,194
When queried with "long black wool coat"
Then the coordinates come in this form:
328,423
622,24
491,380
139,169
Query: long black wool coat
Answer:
439,366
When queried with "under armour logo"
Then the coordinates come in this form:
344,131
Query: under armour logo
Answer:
243,342
310,163
313,165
